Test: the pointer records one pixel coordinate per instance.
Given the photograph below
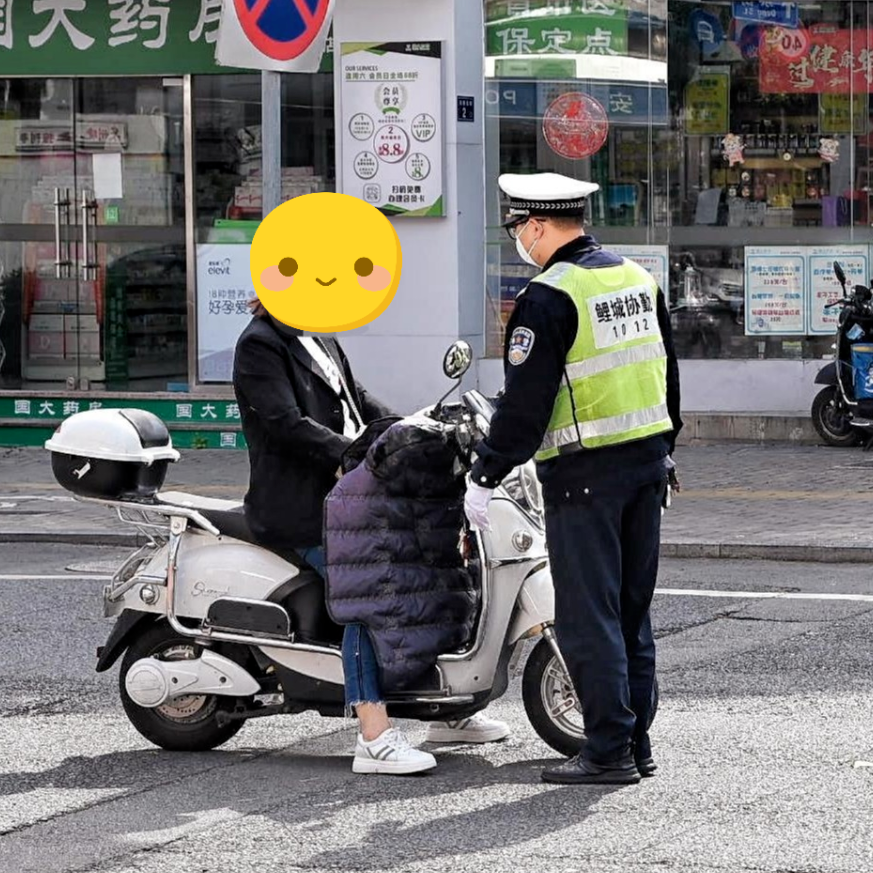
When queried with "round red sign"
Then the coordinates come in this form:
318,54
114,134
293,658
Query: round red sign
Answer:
790,43
278,32
575,126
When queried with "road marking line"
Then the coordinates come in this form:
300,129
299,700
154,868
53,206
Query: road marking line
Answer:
765,494
764,595
49,577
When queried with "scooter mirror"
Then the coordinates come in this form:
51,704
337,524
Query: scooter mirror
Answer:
838,272
458,359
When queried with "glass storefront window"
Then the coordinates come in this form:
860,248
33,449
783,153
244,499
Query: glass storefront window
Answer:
92,234
772,165
229,199
787,97
736,168
227,150
603,61
227,125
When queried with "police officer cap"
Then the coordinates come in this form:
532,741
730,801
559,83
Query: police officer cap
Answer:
544,194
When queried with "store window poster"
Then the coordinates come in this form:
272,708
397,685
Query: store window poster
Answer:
775,291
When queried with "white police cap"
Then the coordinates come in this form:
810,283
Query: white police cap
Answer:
545,194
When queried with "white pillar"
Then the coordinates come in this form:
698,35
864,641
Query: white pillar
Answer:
441,296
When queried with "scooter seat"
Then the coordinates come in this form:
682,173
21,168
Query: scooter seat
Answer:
195,501
230,523
227,515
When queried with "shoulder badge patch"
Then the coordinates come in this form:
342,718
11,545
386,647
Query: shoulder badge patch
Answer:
520,344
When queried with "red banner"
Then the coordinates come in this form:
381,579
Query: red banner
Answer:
834,61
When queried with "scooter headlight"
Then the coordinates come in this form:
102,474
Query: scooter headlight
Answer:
530,486
524,488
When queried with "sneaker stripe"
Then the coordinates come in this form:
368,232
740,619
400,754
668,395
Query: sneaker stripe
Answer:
381,753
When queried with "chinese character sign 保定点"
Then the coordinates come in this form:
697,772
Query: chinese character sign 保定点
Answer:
589,27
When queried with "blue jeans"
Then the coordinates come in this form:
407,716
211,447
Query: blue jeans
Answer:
360,668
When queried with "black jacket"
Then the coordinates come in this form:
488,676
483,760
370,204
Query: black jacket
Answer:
391,534
523,412
293,423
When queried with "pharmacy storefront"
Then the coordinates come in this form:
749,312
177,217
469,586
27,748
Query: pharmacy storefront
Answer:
736,166
127,158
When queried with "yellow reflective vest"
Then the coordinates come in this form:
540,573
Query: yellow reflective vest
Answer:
615,377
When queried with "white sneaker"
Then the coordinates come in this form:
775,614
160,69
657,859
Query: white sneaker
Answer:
390,753
477,729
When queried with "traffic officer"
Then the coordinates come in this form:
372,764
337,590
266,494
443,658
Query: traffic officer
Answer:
592,392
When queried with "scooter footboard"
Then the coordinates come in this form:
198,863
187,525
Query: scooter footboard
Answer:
536,605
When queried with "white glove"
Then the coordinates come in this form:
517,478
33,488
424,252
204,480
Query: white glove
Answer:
476,502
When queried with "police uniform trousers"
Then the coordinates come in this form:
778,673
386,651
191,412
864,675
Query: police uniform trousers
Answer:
603,534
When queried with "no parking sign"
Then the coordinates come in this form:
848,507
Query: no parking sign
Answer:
283,35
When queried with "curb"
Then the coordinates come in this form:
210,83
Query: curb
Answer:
74,539
682,551
769,552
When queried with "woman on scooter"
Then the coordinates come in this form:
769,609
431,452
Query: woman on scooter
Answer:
301,407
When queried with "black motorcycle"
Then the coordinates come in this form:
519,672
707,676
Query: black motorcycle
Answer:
839,417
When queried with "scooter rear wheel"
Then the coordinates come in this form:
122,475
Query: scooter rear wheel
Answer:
551,703
185,724
831,423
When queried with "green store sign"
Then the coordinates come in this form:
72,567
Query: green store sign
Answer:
35,437
96,37
220,419
537,27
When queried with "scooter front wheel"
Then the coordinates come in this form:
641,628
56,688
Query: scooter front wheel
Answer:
551,703
183,724
831,422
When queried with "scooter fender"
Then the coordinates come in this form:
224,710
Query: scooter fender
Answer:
123,632
827,375
536,604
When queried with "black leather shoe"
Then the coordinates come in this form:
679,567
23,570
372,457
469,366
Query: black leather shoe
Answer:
646,766
581,771
643,756
645,762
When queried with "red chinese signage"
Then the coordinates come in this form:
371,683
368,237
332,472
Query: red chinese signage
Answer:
836,61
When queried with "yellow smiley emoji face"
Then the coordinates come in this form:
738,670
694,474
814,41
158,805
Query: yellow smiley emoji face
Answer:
325,262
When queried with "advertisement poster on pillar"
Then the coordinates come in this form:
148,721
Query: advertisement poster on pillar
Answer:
224,288
391,110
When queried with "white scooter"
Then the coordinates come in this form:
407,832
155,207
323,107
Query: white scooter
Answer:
216,630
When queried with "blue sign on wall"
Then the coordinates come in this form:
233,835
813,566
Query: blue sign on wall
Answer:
511,98
786,14
625,103
706,31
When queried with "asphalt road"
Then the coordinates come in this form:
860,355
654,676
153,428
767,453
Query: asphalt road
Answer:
764,741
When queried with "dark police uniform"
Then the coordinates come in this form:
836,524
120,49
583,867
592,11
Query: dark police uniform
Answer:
603,512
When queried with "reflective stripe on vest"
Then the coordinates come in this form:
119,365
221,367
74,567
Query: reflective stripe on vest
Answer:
604,427
615,375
